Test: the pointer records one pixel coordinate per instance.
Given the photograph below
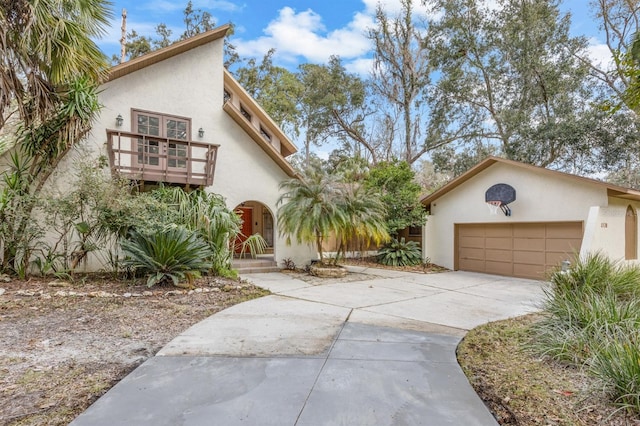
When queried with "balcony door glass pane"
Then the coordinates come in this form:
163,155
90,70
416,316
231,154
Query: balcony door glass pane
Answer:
148,125
177,129
177,155
148,152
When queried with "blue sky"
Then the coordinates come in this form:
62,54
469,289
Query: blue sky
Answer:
300,30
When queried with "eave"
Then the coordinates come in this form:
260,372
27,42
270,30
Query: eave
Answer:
160,55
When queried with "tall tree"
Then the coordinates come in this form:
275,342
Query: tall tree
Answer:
43,46
49,71
276,89
619,22
402,73
333,105
515,70
404,77
395,181
196,21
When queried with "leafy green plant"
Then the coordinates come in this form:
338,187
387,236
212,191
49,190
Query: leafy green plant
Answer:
311,209
288,264
400,253
617,364
592,319
208,216
172,255
254,244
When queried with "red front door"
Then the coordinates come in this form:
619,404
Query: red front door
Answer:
246,229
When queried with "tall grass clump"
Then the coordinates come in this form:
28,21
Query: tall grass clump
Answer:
617,364
593,320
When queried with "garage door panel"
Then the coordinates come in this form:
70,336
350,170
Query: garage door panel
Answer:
529,257
532,244
554,259
499,255
564,230
524,250
497,231
528,271
472,253
471,265
568,245
498,243
499,268
471,231
529,230
477,242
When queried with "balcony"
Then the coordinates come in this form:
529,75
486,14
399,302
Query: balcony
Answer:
150,158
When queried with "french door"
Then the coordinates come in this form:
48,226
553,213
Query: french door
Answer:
154,150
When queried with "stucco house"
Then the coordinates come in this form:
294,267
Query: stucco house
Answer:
177,116
550,216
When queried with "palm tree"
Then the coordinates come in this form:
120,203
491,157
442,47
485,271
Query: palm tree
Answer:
366,215
44,45
49,71
311,209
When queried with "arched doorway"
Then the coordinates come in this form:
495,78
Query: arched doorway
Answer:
256,219
630,234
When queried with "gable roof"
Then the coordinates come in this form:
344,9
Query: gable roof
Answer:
287,147
170,51
612,190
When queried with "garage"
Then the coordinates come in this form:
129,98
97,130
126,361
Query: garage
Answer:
525,250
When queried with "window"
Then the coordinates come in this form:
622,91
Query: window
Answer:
265,134
226,97
415,230
152,152
630,234
244,112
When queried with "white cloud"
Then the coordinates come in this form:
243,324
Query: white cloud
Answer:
392,7
222,5
360,66
600,54
303,34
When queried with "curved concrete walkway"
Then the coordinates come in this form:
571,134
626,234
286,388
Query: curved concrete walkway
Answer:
376,351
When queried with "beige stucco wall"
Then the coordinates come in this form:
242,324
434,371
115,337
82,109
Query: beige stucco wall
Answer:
191,85
540,197
606,229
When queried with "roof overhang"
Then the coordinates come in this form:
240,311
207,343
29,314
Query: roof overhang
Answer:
612,190
174,49
287,147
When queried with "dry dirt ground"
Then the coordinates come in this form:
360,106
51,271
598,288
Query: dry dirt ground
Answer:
63,345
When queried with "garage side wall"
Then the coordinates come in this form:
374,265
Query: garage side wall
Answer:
540,197
606,232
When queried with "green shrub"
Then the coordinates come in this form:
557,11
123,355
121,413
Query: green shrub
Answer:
174,255
617,364
400,253
593,319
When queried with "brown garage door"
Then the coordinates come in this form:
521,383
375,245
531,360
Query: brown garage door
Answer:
524,250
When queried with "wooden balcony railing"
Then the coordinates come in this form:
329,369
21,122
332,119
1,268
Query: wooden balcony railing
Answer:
154,159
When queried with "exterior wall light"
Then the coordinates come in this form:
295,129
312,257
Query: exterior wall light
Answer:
119,120
200,132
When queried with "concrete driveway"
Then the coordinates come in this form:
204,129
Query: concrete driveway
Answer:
376,350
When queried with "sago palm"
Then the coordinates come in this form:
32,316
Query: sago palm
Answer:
311,209
172,255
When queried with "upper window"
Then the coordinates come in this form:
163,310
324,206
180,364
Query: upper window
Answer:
161,125
265,134
244,112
